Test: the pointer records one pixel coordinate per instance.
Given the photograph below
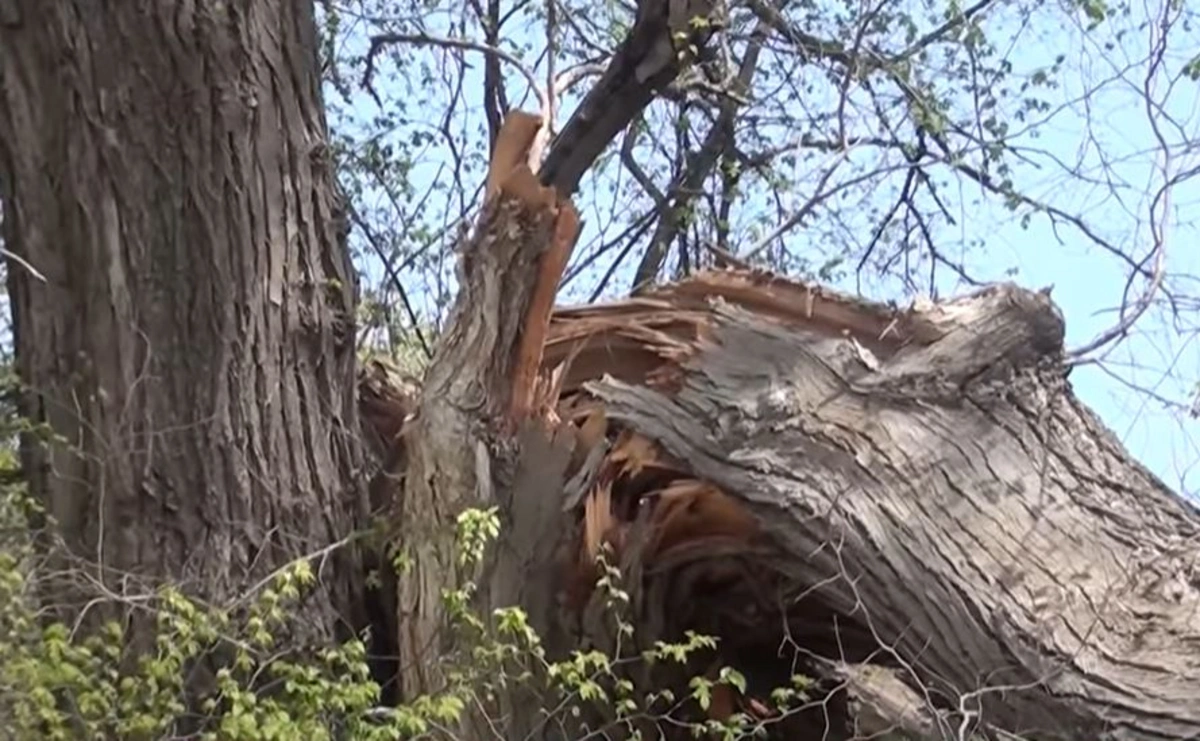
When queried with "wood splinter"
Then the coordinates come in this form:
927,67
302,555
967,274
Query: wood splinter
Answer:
510,175
510,169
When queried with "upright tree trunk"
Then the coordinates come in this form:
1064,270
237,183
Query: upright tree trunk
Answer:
183,300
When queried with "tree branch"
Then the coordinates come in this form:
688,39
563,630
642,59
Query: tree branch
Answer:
700,166
643,65
381,40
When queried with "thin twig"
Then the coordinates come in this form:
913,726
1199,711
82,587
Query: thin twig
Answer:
378,42
23,263
393,276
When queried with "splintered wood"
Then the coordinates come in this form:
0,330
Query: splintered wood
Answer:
647,341
641,509
689,552
511,178
738,445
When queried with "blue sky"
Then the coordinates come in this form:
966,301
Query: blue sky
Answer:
1161,354
1094,154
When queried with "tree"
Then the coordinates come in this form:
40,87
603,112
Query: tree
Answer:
259,292
182,299
1017,354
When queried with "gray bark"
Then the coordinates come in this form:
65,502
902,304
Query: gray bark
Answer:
936,502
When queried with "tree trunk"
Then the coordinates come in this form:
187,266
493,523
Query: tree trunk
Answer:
183,299
479,391
926,495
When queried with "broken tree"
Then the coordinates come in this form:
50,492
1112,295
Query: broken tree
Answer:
908,505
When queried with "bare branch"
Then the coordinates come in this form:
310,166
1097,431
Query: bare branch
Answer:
381,40
699,166
1161,204
647,60
572,76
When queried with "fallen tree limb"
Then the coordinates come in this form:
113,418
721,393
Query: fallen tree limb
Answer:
935,487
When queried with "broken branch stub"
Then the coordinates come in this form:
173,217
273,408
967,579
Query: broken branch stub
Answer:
479,387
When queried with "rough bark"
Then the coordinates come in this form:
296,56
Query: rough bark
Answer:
164,169
929,497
